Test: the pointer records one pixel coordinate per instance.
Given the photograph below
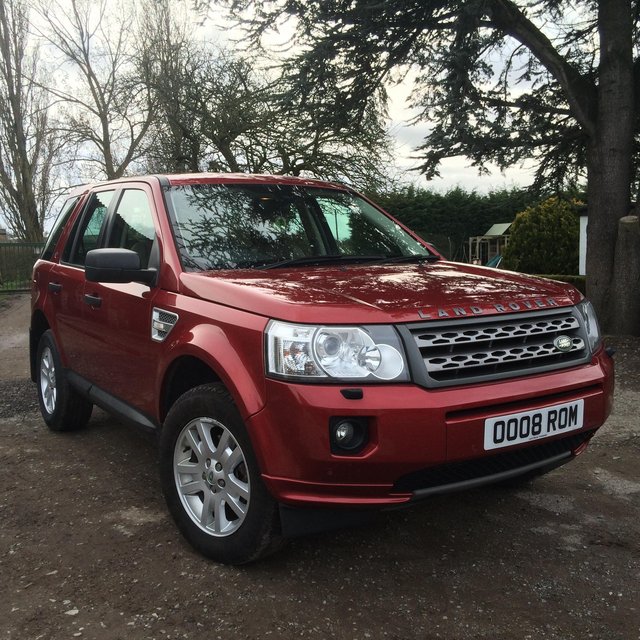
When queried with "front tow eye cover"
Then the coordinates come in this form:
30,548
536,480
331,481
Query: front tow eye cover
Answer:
352,394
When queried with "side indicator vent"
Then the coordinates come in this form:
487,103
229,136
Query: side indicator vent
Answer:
161,324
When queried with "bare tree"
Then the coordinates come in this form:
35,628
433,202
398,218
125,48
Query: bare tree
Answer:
29,146
108,110
166,61
222,112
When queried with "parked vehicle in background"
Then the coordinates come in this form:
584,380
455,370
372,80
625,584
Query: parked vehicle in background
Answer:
299,352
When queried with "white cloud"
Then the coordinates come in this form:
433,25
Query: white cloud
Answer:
454,172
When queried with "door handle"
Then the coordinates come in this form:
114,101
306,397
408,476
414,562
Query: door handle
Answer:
92,301
54,287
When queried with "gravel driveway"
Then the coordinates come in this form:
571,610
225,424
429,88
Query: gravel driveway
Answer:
88,550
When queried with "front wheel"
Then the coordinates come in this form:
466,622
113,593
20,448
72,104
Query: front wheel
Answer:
211,479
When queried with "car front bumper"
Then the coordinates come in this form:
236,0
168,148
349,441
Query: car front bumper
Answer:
421,441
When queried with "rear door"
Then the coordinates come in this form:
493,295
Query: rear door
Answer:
66,281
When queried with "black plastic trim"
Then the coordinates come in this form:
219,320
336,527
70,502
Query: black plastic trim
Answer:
304,521
111,404
547,465
352,394
514,461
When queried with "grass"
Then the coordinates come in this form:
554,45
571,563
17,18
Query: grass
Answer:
15,285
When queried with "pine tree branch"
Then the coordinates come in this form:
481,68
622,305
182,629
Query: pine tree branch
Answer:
581,93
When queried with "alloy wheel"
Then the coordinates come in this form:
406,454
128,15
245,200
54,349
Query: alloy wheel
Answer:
211,476
48,389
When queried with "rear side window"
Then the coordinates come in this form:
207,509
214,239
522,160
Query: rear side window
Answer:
87,232
132,226
58,228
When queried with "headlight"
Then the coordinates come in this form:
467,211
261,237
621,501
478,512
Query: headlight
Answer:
347,353
590,324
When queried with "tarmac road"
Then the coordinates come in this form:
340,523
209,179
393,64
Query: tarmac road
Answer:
88,550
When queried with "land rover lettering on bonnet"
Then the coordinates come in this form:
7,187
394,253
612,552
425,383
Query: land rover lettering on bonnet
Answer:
302,356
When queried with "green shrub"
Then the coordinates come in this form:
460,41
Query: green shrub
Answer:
450,219
544,238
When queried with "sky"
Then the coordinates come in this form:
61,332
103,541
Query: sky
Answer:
455,172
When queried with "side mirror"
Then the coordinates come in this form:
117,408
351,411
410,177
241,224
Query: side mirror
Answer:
117,265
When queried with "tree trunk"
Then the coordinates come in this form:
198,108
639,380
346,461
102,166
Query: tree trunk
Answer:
609,167
33,227
627,321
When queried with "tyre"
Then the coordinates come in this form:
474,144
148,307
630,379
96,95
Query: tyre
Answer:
62,407
211,481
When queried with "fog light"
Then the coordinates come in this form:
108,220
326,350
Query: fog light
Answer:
344,433
348,435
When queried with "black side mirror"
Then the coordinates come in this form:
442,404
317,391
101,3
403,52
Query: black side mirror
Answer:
117,265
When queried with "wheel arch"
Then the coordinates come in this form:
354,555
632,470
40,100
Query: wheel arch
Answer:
190,370
229,353
183,374
39,324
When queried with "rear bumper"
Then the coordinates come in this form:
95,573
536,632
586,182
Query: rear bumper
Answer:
421,441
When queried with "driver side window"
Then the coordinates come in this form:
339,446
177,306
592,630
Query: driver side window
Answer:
133,225
86,235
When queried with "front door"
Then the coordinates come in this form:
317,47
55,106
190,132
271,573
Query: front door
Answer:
121,356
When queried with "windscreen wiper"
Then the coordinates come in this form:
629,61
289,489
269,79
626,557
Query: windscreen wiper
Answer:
314,260
412,258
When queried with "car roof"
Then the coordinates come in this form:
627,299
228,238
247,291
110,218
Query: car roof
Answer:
175,179
248,178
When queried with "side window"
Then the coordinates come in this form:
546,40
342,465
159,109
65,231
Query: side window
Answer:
58,227
132,226
87,232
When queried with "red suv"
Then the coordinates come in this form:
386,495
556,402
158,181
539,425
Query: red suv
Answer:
301,354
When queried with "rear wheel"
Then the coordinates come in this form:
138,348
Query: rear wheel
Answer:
62,407
211,480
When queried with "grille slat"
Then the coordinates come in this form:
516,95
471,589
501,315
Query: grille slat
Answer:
495,332
476,358
464,351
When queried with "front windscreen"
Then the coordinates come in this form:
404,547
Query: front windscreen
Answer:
247,226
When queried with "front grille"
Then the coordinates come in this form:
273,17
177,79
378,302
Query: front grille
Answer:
471,350
464,471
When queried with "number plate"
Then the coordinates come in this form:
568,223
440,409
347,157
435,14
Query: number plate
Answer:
515,428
